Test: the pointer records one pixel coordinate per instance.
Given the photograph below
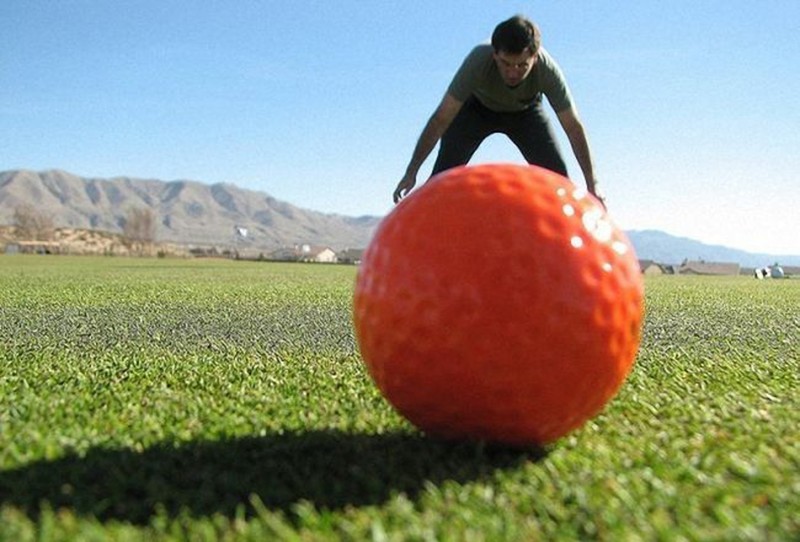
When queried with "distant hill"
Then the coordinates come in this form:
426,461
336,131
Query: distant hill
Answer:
188,212
665,248
196,214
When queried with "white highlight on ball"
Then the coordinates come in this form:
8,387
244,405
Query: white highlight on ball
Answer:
597,225
619,247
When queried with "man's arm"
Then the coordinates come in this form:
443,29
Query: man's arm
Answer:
431,134
573,127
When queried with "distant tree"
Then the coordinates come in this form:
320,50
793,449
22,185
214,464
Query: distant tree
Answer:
139,229
32,225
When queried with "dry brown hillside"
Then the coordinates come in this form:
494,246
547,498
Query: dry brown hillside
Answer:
82,242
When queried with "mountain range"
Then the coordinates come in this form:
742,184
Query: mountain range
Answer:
196,214
662,247
187,212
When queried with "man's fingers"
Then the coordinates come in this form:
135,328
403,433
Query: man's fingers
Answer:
401,191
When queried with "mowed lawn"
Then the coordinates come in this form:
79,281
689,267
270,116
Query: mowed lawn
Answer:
145,399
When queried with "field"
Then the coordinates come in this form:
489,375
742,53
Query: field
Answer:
207,399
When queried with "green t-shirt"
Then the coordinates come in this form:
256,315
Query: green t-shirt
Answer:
479,76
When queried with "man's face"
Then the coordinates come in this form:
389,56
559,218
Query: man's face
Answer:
514,68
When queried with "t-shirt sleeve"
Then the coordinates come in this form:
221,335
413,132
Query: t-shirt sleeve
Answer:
554,85
465,80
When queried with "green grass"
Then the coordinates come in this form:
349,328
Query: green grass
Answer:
205,400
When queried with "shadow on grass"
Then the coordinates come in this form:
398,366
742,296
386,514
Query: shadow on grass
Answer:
330,469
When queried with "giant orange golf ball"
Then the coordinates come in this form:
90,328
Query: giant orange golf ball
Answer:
498,303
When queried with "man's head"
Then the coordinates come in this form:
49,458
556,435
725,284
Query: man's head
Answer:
516,35
516,43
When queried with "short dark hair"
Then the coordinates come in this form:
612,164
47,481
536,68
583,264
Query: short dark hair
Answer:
515,35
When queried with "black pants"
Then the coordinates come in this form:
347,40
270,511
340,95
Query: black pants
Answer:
529,130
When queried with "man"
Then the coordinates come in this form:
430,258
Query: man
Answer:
499,88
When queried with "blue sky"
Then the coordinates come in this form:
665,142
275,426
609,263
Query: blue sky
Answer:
691,107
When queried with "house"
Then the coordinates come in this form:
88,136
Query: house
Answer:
318,254
351,256
700,267
304,253
651,268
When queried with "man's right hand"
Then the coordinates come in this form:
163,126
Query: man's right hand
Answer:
431,134
404,186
